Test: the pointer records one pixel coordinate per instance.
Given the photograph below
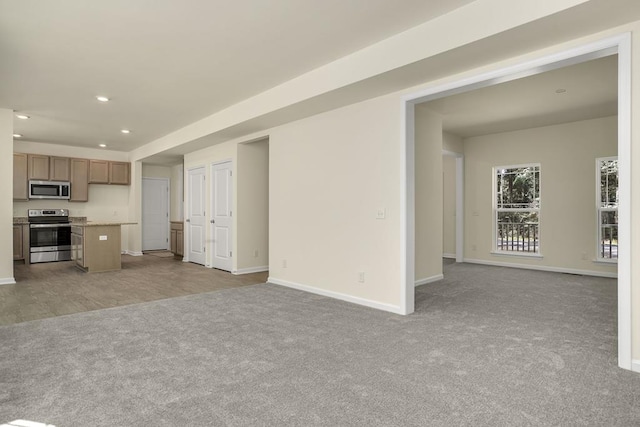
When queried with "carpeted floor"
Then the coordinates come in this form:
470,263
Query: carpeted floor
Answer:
487,346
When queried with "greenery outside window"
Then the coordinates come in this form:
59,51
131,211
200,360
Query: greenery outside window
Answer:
517,209
607,208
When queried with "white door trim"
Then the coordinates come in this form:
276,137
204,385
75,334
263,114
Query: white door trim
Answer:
620,44
168,181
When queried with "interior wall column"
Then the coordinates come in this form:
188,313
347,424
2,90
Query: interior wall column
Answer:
135,210
6,189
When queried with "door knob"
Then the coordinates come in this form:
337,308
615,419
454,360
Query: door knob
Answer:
188,220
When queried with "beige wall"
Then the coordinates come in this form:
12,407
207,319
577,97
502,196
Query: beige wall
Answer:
156,171
566,154
449,206
177,193
252,214
329,176
428,199
68,151
452,143
6,187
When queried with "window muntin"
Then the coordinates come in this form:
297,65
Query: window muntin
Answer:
607,208
517,209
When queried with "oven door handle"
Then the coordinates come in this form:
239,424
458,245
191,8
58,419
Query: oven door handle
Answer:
49,225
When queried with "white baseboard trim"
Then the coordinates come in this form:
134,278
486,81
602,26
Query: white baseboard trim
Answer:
251,270
543,268
635,365
449,256
336,295
132,253
8,281
429,280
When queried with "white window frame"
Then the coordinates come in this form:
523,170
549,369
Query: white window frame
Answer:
496,210
600,209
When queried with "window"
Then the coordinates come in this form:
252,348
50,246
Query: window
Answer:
607,206
517,209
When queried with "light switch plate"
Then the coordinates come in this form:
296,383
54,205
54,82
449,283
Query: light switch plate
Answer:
103,237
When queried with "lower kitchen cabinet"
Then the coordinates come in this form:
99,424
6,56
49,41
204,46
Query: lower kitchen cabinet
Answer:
177,238
18,242
96,248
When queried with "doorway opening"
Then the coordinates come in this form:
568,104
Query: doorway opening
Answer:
253,207
619,45
155,214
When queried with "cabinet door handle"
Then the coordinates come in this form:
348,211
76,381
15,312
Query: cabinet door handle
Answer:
213,221
188,220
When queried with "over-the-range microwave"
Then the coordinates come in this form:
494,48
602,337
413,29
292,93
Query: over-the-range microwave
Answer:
49,190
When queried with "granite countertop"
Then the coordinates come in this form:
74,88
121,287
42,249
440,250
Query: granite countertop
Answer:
101,223
19,220
23,220
76,220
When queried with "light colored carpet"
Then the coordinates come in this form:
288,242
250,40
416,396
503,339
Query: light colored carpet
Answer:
487,346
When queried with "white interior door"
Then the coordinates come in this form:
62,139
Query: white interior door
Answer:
196,216
155,213
221,215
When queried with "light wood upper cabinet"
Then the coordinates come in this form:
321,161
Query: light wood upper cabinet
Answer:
38,167
119,173
79,180
106,172
59,168
79,172
98,172
20,180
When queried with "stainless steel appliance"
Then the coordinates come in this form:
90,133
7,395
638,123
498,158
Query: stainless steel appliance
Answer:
49,190
49,235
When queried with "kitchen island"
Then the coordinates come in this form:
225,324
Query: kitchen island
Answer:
96,246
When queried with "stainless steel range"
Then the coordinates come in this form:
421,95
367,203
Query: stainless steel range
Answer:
49,235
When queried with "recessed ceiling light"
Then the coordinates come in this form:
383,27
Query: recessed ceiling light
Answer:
102,145
17,135
22,116
561,90
125,131
102,98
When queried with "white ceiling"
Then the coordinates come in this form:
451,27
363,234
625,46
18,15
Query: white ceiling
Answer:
168,63
590,92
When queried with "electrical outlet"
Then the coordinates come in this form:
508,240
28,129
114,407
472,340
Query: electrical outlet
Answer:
474,247
255,253
584,256
361,276
284,263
